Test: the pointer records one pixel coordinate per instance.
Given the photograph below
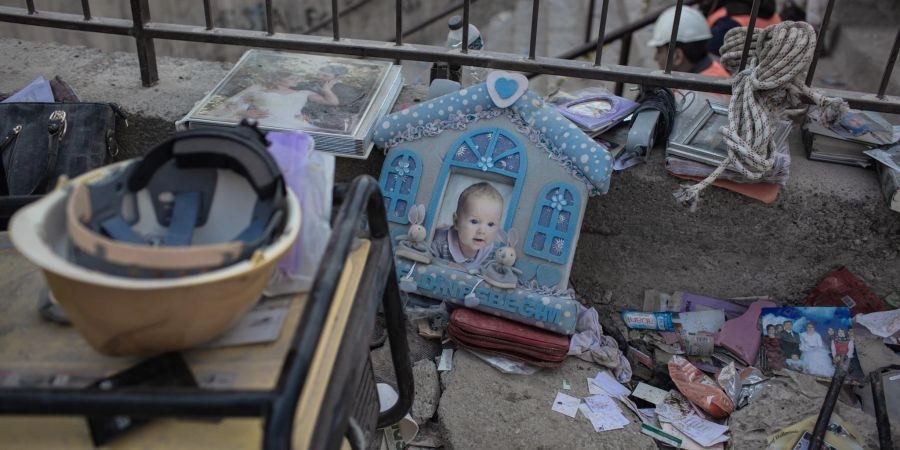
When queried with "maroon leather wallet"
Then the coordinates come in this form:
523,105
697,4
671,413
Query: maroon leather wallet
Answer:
495,335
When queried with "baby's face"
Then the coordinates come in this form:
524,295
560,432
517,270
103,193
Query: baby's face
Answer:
478,224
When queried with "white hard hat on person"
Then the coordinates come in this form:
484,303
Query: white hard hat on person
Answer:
691,28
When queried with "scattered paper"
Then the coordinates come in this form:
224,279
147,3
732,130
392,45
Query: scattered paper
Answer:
889,156
882,324
705,432
566,385
600,403
660,435
604,421
593,389
649,393
261,324
686,442
647,415
446,362
609,384
566,404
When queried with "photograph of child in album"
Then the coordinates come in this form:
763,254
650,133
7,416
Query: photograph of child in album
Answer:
470,240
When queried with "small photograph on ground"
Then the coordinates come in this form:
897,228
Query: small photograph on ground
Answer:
812,340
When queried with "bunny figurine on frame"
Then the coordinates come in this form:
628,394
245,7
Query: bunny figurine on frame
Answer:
500,272
412,245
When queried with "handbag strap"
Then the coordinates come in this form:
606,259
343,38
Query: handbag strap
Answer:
56,127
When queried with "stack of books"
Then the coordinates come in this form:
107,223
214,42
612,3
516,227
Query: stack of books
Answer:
337,101
847,140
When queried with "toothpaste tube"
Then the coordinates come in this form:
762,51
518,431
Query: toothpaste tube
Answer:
661,321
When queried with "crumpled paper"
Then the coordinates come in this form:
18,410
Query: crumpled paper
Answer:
590,344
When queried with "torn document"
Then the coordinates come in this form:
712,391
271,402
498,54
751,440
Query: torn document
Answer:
566,404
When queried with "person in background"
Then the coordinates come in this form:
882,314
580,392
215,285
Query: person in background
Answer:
736,13
691,54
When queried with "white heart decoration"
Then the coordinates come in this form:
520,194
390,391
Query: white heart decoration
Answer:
505,88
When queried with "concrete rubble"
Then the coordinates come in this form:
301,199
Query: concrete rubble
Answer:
427,390
513,412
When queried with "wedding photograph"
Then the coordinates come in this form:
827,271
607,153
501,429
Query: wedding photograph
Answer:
812,340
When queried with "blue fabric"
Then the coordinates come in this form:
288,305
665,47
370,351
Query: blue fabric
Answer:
116,228
183,220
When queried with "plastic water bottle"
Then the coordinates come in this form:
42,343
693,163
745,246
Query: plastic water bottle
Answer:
469,75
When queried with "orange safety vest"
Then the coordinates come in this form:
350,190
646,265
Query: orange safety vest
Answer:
715,70
743,20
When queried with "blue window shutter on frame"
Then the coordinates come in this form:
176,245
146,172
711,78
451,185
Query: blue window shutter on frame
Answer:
400,178
492,150
554,223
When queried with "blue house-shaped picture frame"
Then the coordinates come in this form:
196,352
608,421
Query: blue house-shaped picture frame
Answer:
502,142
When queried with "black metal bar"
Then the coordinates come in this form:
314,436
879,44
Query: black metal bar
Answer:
339,401
270,26
207,14
413,52
464,45
146,49
335,23
363,197
30,5
86,9
601,39
881,414
886,77
395,321
398,22
754,11
535,7
144,402
623,61
820,42
673,40
590,20
831,398
65,21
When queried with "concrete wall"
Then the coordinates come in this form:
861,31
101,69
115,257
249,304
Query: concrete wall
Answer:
633,238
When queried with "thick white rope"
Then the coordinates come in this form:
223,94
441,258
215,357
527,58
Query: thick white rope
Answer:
774,80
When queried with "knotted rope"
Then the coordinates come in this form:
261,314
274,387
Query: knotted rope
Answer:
773,81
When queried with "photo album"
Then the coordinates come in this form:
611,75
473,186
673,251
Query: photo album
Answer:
335,100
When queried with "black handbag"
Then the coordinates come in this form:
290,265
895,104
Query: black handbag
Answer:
39,142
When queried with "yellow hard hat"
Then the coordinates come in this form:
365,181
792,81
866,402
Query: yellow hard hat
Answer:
137,275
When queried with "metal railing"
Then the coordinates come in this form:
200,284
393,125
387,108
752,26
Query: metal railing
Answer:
145,31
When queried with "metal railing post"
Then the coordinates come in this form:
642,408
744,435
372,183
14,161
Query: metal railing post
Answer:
30,5
536,6
754,11
335,23
673,40
270,26
146,49
820,39
398,22
590,20
886,77
623,60
86,9
601,35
